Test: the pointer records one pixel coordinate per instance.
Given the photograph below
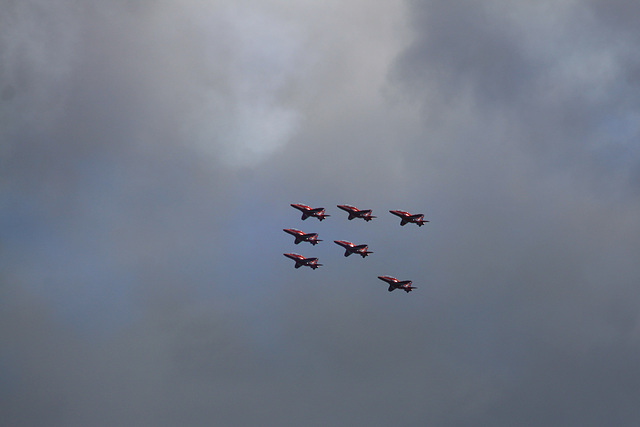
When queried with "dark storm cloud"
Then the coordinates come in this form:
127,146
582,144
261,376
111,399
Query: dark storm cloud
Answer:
466,47
557,75
122,128
618,17
149,155
536,144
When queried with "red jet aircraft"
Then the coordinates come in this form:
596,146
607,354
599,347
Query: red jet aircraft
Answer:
357,213
300,261
303,237
307,211
350,248
394,284
407,217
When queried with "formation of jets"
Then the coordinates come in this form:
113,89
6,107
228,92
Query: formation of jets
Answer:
350,248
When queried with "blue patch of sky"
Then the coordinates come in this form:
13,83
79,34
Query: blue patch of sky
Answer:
617,145
83,286
9,372
67,260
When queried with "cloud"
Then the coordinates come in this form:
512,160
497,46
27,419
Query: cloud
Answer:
551,75
150,153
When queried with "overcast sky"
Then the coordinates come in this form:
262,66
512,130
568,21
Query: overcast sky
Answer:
149,151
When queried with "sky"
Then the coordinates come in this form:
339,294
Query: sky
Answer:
149,151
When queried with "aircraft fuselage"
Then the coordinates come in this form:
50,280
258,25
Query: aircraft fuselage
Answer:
357,213
394,284
302,261
302,237
307,211
350,248
406,217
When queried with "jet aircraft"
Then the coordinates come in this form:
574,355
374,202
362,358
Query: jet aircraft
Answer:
406,217
350,248
303,237
307,211
394,284
300,261
357,213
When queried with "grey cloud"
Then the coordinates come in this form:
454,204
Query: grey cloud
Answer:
462,46
523,135
143,280
551,75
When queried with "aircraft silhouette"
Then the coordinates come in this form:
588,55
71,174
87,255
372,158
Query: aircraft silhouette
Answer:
394,284
350,248
406,217
300,261
302,237
357,213
307,211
